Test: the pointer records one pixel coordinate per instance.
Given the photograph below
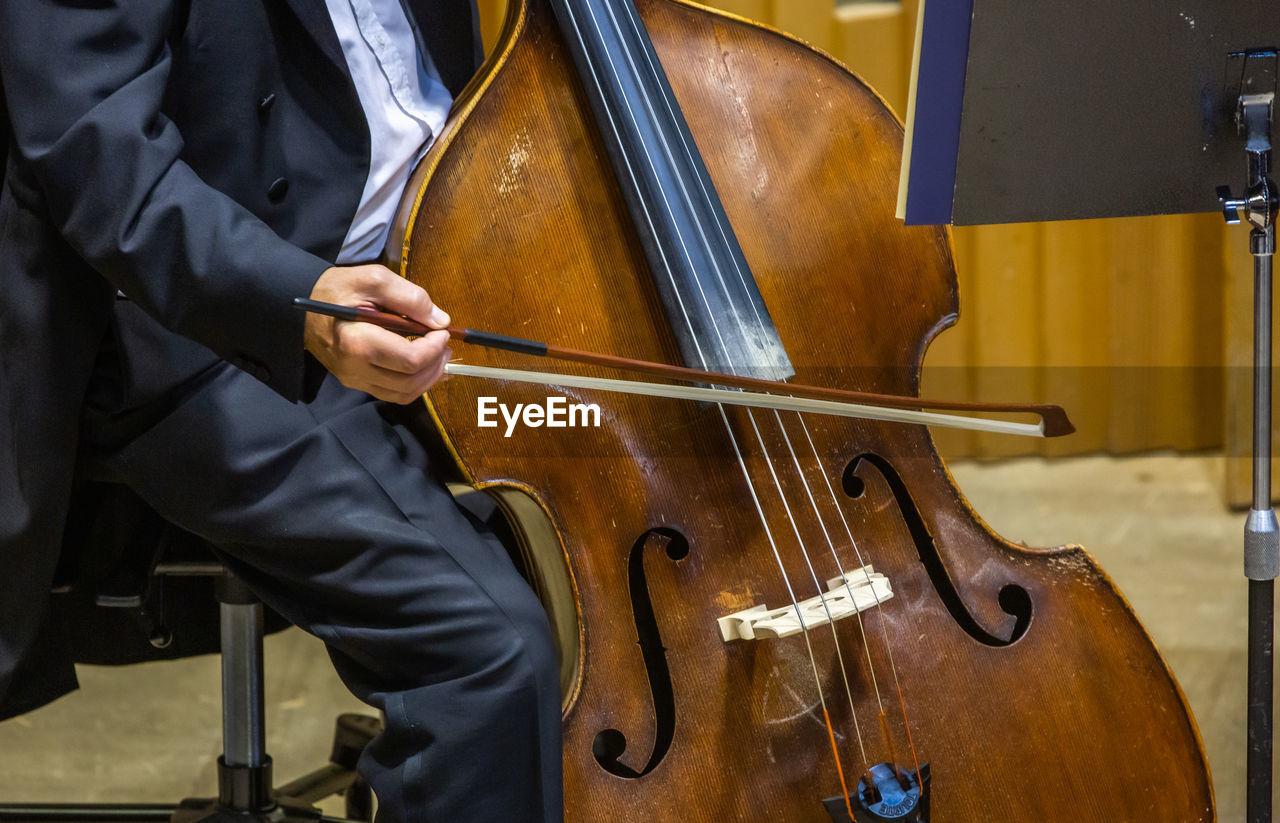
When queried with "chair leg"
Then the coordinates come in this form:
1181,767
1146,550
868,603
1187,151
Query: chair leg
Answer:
359,801
245,792
243,735
351,734
244,769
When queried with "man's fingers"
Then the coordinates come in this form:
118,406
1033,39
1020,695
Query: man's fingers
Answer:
396,294
388,350
439,372
411,357
393,386
392,395
369,358
429,377
402,388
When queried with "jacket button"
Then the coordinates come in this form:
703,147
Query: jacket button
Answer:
277,190
264,106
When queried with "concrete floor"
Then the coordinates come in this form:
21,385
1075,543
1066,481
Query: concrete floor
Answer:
1157,524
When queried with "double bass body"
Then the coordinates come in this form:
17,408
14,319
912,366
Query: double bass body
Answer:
1029,687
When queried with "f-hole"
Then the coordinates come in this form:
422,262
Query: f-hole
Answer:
1013,599
611,744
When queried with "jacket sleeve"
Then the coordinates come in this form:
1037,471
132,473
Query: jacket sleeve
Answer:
84,81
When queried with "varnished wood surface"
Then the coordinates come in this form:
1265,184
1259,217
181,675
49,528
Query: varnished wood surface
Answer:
520,231
1122,338
1154,522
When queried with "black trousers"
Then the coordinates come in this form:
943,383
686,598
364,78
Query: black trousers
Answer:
331,513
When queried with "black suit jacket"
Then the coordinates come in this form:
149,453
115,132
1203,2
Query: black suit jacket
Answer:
203,156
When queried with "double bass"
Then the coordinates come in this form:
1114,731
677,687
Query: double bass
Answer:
761,614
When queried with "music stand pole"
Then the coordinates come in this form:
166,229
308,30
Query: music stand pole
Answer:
1261,534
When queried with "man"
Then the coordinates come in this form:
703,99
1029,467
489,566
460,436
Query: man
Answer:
176,173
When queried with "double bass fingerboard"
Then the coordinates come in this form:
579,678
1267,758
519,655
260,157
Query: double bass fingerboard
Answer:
710,298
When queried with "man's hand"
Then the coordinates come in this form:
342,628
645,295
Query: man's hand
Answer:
370,358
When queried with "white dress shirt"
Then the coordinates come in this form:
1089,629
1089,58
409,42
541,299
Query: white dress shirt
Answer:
404,103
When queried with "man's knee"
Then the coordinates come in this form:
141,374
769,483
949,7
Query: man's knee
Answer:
486,640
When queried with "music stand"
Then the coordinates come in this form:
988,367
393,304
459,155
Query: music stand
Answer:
1051,111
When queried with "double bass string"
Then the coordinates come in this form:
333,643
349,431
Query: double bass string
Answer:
884,628
822,524
822,595
782,495
729,430
844,673
804,627
742,278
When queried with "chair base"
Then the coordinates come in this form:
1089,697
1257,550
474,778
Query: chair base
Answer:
291,803
210,811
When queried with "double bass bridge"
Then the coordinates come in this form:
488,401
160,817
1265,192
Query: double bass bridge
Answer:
852,592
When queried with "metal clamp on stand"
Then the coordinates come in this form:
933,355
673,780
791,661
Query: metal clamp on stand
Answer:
1254,118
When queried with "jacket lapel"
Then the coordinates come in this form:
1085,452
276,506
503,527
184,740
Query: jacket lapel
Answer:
314,16
450,30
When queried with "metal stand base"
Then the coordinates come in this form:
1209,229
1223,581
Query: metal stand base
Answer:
1261,649
1261,536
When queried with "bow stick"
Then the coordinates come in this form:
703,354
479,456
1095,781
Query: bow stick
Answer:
762,393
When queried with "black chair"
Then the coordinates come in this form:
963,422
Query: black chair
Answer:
135,563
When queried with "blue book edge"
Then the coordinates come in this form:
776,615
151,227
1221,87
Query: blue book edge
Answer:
933,118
